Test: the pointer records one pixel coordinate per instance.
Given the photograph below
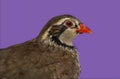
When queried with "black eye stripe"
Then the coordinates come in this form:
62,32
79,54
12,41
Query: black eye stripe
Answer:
76,26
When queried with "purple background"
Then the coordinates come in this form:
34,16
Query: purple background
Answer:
22,20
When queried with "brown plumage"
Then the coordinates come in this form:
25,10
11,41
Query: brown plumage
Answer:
43,57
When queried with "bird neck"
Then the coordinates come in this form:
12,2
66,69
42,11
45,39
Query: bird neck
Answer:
58,42
57,36
55,42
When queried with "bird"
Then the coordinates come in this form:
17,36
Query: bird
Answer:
50,55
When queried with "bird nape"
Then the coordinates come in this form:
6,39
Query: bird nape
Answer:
51,55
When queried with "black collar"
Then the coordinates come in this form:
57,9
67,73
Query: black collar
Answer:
58,42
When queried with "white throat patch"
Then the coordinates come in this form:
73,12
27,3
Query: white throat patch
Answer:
67,36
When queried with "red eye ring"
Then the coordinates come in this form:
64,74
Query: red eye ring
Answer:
69,23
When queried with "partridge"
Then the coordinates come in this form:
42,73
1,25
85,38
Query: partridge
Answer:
51,55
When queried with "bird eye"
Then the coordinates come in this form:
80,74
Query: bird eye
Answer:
69,23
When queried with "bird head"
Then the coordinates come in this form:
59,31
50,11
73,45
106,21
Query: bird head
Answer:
63,29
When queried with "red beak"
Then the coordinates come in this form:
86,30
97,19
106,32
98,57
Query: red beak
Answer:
83,29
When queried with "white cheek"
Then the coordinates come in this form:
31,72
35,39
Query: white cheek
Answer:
71,32
67,36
